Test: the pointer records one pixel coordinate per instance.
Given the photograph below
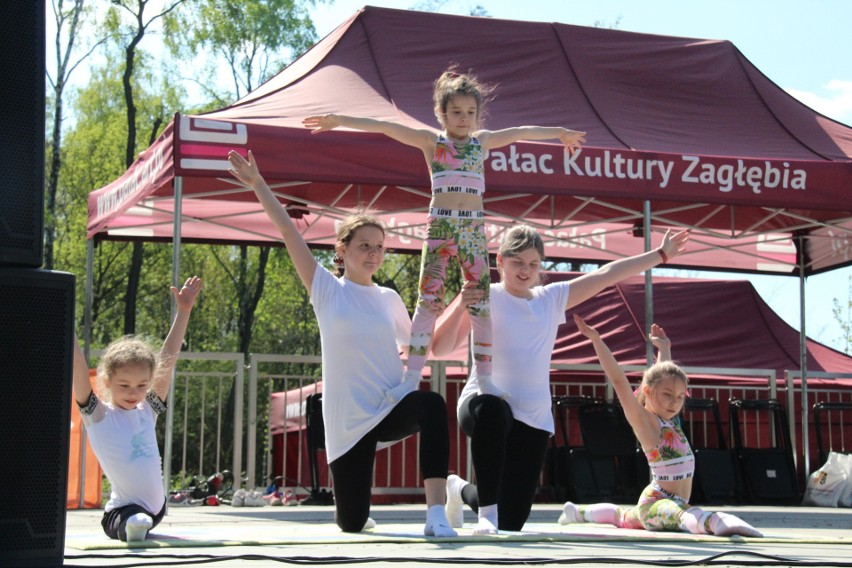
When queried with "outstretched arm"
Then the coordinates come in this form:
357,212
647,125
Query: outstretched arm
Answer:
609,274
246,171
82,386
611,368
571,139
644,426
185,298
417,137
661,341
453,328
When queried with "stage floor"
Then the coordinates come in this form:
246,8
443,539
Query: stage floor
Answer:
276,536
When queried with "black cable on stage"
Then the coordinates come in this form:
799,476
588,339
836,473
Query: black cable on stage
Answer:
714,560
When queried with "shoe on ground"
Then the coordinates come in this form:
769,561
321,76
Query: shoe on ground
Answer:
239,498
289,498
254,499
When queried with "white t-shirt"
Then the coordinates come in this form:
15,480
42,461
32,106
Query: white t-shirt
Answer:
362,329
524,333
125,443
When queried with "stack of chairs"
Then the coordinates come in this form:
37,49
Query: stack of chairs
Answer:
608,466
716,479
766,465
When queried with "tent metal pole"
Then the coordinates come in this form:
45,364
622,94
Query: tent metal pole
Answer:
170,412
649,287
803,351
87,342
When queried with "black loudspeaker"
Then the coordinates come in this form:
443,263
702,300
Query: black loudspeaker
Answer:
22,96
36,338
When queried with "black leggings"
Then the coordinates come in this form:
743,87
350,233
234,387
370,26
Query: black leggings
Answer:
115,520
352,473
508,457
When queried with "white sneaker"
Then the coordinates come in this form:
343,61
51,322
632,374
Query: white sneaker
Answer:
455,505
254,499
137,527
289,498
239,498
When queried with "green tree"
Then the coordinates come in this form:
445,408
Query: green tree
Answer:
71,20
128,21
842,311
92,159
254,38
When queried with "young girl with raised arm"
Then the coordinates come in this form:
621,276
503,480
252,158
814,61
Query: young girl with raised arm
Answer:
508,438
664,504
133,383
362,327
455,225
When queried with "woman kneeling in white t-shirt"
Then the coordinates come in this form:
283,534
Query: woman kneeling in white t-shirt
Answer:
363,329
509,434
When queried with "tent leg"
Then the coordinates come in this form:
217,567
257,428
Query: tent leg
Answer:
170,412
649,287
803,353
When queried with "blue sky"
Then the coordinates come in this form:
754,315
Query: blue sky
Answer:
804,47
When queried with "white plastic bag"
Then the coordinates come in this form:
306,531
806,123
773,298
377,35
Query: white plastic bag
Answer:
845,499
827,484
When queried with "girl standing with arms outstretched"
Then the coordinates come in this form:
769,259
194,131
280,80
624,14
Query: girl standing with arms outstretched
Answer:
508,438
133,385
362,327
653,415
455,225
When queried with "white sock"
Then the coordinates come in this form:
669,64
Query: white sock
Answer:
436,523
487,520
723,524
570,514
455,505
695,520
601,513
137,527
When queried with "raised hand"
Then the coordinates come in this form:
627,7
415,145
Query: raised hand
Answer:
572,140
322,123
244,169
185,297
658,337
586,329
661,341
674,244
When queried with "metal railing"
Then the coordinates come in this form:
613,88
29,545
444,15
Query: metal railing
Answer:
203,392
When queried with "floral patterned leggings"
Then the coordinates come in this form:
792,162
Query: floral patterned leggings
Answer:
657,510
463,239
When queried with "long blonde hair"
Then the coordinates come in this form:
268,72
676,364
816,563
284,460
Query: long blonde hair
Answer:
128,350
655,373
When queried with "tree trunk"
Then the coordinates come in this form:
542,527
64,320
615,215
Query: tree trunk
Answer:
133,277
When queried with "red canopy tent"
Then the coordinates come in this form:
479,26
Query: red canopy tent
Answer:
697,315
682,132
712,323
687,125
